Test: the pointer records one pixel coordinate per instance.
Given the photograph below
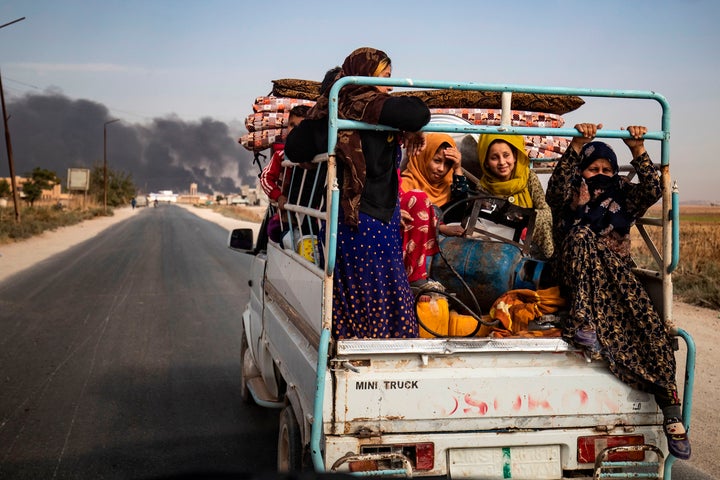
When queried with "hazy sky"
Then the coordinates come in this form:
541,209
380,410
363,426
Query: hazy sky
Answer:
145,59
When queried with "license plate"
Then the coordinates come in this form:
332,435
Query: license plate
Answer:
541,462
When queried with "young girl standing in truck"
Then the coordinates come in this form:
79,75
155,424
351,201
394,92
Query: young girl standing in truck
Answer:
371,293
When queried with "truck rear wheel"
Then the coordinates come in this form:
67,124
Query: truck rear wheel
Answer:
289,449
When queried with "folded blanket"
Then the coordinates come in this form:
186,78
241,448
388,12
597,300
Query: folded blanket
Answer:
492,116
545,146
293,87
266,120
260,140
556,104
516,308
535,102
278,104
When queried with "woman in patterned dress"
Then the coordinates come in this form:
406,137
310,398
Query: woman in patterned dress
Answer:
506,174
433,179
611,315
371,293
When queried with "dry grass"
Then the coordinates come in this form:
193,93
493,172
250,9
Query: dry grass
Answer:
239,212
697,278
38,219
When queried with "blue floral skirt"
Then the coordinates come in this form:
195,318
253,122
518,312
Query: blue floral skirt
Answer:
371,293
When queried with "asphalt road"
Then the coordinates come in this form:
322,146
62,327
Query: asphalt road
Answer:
119,358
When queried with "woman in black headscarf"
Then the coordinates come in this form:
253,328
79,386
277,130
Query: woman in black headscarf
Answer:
611,315
371,293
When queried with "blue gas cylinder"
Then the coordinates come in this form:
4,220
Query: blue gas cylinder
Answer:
489,268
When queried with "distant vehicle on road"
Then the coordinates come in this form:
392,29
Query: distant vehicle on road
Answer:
141,201
165,196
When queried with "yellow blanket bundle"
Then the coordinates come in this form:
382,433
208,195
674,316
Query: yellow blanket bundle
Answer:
514,310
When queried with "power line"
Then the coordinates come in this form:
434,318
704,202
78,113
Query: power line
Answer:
23,83
14,21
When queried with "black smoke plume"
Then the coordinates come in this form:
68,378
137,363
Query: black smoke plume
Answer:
54,132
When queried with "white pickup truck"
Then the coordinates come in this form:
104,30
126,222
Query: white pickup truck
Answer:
454,407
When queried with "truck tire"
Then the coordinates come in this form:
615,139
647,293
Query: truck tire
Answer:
289,448
245,395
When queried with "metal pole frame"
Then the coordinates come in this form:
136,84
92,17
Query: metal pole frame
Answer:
670,254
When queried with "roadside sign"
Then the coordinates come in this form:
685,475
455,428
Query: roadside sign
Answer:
78,179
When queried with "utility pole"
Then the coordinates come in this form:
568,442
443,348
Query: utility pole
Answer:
105,186
8,145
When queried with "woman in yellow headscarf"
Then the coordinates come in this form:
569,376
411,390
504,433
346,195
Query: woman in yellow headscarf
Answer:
506,174
433,179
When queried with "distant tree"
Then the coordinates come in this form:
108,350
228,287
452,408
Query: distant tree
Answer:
121,187
5,190
40,179
218,199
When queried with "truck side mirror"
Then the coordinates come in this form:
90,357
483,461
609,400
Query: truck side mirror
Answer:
241,239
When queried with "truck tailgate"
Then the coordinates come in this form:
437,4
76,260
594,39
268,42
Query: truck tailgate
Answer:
477,384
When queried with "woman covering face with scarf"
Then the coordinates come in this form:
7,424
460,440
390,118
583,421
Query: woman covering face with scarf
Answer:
371,293
432,180
506,174
611,315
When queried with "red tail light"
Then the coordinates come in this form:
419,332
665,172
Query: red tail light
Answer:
424,456
589,447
